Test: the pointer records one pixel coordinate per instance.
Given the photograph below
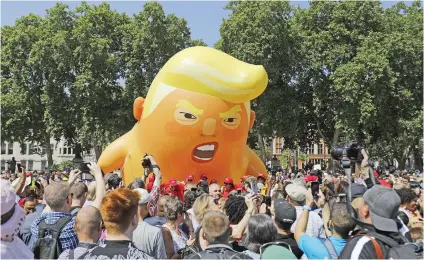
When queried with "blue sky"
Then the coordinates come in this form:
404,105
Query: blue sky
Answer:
203,17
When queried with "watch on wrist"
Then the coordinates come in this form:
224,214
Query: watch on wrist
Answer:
307,208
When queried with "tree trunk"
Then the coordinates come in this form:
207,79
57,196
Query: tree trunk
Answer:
418,159
97,151
333,144
261,147
49,151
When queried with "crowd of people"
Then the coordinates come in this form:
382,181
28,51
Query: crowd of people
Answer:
280,215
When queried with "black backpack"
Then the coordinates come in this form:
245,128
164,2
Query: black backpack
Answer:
406,250
49,247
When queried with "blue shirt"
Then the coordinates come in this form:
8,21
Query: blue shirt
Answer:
68,238
315,249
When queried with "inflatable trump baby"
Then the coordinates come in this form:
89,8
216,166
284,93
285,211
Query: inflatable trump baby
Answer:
194,120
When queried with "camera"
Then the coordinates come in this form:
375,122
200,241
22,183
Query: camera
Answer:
146,163
353,152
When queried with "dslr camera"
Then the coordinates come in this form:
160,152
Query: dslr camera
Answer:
353,152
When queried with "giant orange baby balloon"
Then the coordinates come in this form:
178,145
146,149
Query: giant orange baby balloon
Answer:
194,120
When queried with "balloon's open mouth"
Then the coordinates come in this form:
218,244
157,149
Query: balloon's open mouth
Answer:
204,152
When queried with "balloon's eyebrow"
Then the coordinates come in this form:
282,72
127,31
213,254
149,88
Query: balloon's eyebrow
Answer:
190,107
231,112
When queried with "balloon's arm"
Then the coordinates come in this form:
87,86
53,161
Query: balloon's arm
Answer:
114,155
255,164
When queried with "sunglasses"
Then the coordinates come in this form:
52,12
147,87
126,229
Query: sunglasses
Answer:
282,244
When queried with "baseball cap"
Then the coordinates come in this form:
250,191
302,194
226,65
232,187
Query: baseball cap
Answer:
145,196
213,181
173,182
203,177
275,251
284,211
190,177
358,190
260,175
228,181
296,192
244,178
383,204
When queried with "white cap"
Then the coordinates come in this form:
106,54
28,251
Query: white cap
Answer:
145,196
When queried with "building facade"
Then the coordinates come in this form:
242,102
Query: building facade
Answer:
318,153
33,158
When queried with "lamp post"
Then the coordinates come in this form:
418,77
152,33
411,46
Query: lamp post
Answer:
77,161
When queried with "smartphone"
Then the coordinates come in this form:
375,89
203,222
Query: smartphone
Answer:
19,165
342,197
267,201
255,188
85,168
238,191
315,188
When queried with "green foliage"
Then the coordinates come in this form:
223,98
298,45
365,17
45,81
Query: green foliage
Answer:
62,165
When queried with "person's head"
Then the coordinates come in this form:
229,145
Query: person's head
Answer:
261,178
216,228
119,211
79,193
296,194
173,185
408,198
285,214
190,179
340,221
202,187
379,208
229,185
174,211
138,183
215,191
58,197
91,191
201,206
29,205
114,181
88,224
235,207
221,203
189,198
145,198
161,205
260,230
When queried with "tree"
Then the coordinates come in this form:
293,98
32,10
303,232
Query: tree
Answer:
260,33
35,76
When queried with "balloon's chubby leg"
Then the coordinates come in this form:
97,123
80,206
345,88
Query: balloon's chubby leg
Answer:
255,165
114,155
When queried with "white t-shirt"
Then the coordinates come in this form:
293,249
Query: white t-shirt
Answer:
15,250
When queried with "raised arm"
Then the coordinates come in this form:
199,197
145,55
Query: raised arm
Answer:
100,184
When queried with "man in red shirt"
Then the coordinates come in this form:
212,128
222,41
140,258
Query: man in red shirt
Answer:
311,177
176,189
229,187
240,186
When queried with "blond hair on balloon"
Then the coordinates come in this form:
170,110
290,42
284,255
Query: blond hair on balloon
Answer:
207,71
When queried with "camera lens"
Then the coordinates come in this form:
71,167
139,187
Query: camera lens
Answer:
337,152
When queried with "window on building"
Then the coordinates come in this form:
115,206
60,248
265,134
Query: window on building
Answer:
30,165
24,148
65,151
10,150
320,151
3,148
31,149
69,150
43,164
24,164
311,149
3,165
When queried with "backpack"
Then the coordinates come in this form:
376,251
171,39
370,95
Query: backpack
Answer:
49,247
221,253
396,251
75,211
330,248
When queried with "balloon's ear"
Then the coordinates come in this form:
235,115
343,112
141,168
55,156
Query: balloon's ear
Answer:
252,118
138,108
